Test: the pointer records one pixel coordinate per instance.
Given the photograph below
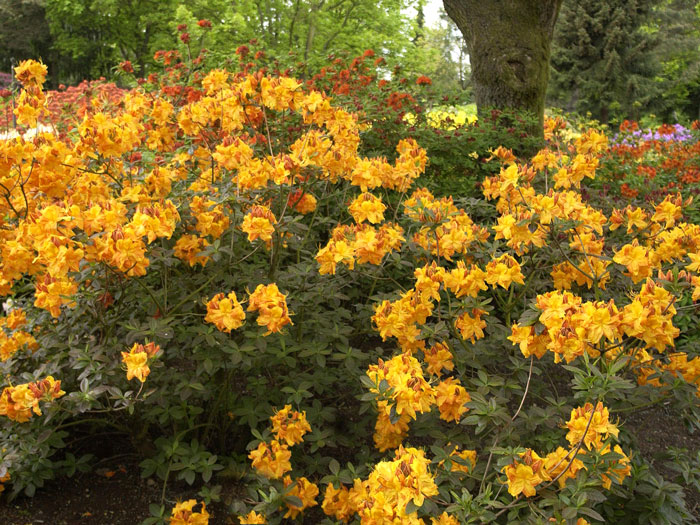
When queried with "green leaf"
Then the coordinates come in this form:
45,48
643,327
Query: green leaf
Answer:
334,467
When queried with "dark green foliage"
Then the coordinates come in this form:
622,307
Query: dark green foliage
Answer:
677,26
24,32
602,59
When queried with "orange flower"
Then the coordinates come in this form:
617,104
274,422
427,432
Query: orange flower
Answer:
31,73
182,514
271,306
136,361
225,313
271,459
259,223
289,425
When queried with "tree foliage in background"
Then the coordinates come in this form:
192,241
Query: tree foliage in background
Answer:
92,36
441,53
81,39
677,24
603,58
306,31
24,32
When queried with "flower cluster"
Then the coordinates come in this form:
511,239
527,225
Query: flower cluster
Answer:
182,514
385,494
32,101
361,244
271,460
136,360
225,312
402,391
13,338
289,425
589,426
18,402
271,305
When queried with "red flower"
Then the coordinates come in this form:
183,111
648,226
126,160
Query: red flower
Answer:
126,67
181,27
628,192
259,55
666,129
629,125
204,23
5,93
185,37
242,51
368,53
423,81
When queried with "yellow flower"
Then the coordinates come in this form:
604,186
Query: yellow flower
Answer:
252,518
404,375
450,397
136,364
18,402
467,460
189,247
529,343
471,327
639,260
259,223
521,479
438,357
271,306
226,313
305,491
555,462
503,271
367,207
336,503
444,519
182,514
289,425
598,429
618,470
271,460
388,435
31,73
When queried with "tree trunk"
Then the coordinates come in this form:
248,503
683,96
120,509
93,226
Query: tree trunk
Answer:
509,46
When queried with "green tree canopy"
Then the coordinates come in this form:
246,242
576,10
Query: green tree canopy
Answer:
94,35
303,30
602,58
676,23
24,32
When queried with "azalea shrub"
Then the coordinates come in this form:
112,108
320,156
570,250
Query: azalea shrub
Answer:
212,269
392,106
643,165
65,107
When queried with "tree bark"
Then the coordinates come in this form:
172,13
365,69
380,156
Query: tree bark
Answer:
509,45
